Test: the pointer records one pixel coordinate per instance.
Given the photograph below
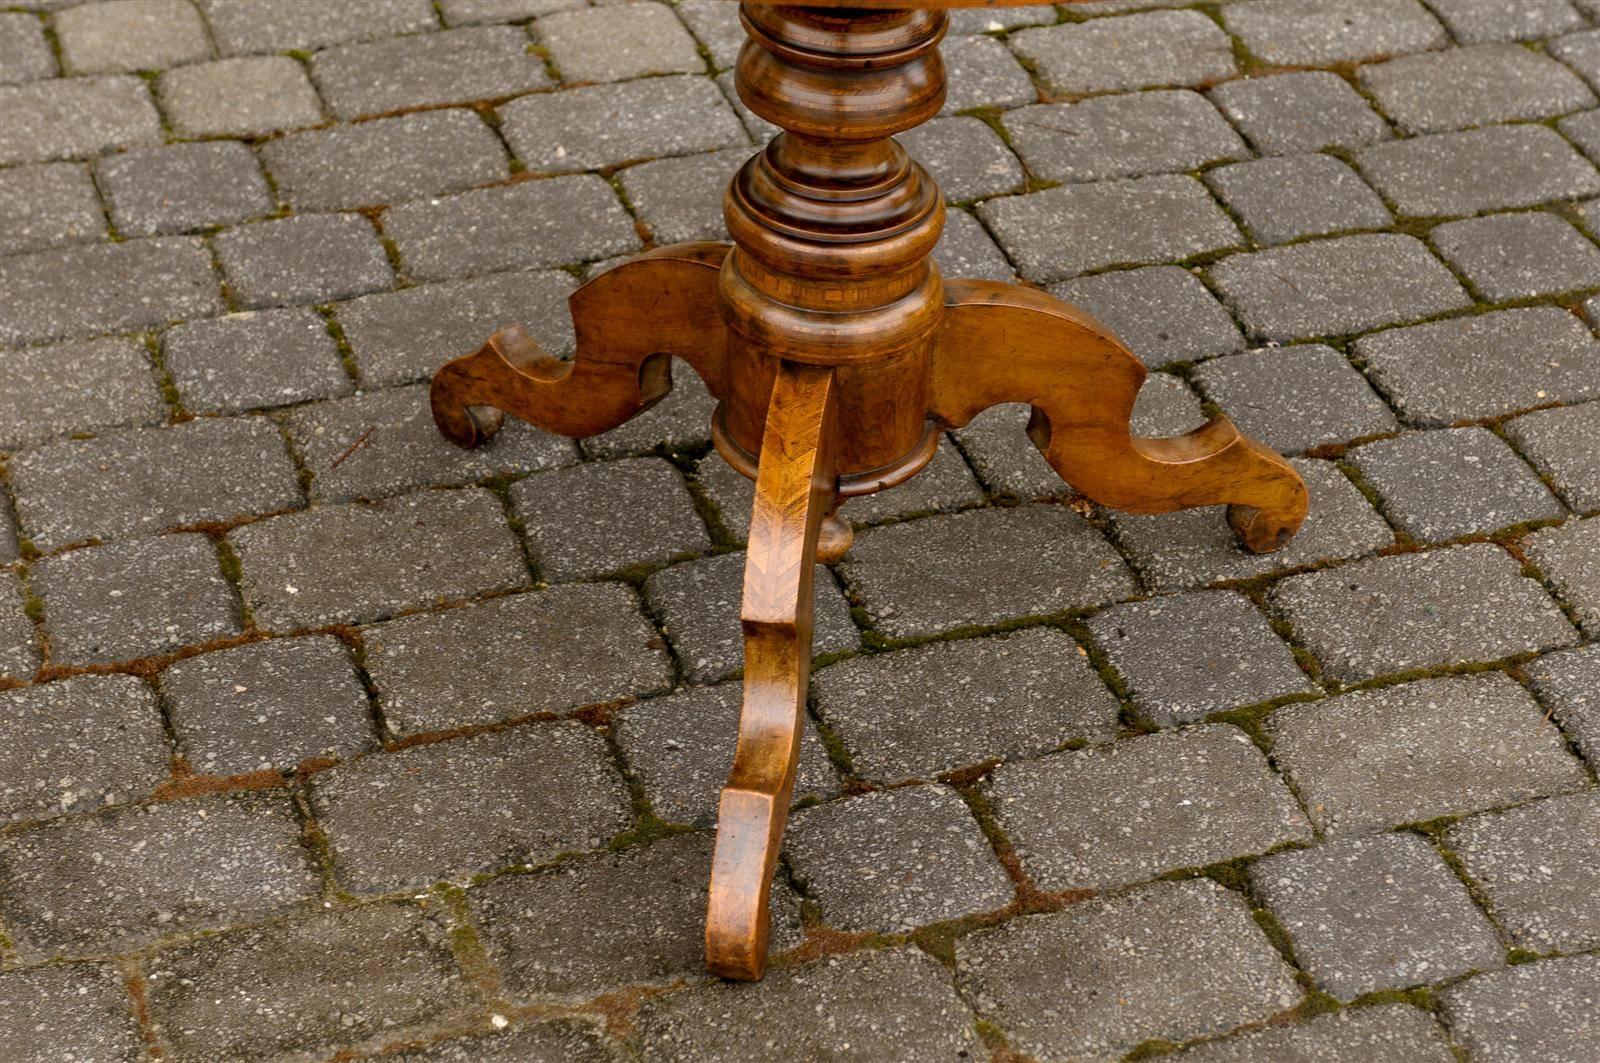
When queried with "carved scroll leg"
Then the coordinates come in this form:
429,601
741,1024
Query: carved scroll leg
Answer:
1003,343
629,321
794,490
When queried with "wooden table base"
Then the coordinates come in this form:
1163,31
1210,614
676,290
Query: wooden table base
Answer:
838,355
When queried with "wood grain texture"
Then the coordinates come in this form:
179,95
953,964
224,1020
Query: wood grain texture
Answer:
794,492
629,322
839,355
1005,343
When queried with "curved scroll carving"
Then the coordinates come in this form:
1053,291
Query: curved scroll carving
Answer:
1004,343
630,321
795,489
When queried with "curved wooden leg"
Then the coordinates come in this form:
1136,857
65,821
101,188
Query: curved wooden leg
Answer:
1004,343
630,321
794,491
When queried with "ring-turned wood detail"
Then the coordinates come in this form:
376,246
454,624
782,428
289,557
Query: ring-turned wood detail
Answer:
838,355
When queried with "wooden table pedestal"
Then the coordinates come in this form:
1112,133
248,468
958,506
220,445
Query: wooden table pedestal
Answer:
838,356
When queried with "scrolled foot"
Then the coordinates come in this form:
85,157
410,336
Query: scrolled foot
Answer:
630,322
1003,343
795,490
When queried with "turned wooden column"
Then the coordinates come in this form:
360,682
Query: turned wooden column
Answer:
832,227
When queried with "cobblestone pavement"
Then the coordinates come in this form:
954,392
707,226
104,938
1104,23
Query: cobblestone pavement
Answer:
322,739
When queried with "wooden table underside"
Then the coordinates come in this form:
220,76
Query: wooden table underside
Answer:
838,356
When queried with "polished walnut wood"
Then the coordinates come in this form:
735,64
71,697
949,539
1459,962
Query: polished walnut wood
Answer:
838,356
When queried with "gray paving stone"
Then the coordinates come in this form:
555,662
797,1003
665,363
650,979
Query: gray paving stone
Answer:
389,160
982,567
400,337
1310,33
427,70
530,225
1387,1033
967,22
1581,52
1459,481
1118,814
1395,614
183,187
1195,547
1288,198
967,251
921,712
451,809
570,516
8,532
134,599
1481,169
128,35
1477,21
148,480
357,563
76,387
1295,398
73,118
1473,86
679,749
1061,232
69,1011
612,919
606,125
1583,129
47,205
1569,556
1338,286
885,1005
77,744
547,1041
332,980
617,42
385,442
246,97
119,880
245,26
1162,313
1559,442
1542,1011
698,605
79,291
1146,50
1517,256
1540,866
1303,111
19,653
254,359
1353,758
895,859
716,25
1189,656
1122,136
982,72
1569,683
1485,365
680,421
966,157
681,198
1376,913
1098,978
25,55
311,258
274,704
548,652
